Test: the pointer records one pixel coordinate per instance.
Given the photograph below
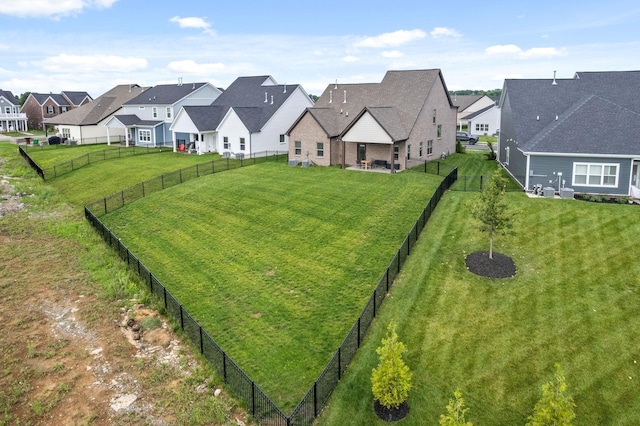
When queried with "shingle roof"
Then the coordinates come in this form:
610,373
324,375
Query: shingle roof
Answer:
588,107
165,94
206,118
401,93
9,96
76,98
479,112
41,98
465,101
131,120
101,107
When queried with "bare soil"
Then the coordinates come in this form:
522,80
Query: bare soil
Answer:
71,357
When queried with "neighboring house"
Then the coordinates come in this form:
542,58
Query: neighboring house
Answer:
11,119
575,133
147,118
86,124
469,104
405,119
485,121
40,106
251,116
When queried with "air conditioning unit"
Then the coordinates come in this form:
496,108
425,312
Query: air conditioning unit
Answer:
293,162
226,154
566,193
240,156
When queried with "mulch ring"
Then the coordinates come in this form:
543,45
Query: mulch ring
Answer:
500,266
391,414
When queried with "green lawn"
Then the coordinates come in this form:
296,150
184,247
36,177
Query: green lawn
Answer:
275,262
575,301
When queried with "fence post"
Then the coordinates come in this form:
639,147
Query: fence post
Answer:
253,398
315,399
105,205
374,300
438,168
480,182
425,166
387,279
143,189
224,366
339,362
180,175
227,163
71,165
201,341
359,332
197,170
162,181
181,318
164,294
122,196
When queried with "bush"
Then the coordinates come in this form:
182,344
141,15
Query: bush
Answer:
459,148
391,380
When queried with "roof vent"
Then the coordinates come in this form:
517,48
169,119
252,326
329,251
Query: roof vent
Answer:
194,85
271,99
330,96
266,97
345,97
336,85
556,118
554,82
285,88
537,118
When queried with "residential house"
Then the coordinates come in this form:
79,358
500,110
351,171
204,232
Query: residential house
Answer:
469,104
573,133
11,119
39,106
147,118
86,124
485,121
406,118
251,116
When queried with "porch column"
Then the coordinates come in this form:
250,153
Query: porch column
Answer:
173,137
108,136
393,166
126,136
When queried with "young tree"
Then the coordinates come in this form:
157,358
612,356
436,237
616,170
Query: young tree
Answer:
455,412
491,209
391,380
555,407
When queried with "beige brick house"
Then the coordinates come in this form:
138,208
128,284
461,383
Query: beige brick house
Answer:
404,120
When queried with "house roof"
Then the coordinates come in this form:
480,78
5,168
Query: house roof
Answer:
41,98
592,102
254,99
76,98
165,94
101,107
9,96
465,101
395,102
479,112
132,120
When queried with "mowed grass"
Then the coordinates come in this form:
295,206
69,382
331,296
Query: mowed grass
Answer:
575,301
275,262
46,156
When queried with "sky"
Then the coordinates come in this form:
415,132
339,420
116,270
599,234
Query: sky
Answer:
94,45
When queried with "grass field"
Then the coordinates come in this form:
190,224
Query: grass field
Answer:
275,262
575,301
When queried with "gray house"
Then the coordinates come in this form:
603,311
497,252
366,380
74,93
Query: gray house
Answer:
573,133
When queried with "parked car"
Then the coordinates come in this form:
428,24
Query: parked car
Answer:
54,140
467,137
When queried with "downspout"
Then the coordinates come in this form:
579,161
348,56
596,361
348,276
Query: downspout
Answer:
527,173
344,164
80,134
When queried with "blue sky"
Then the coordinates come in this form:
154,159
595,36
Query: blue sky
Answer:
93,45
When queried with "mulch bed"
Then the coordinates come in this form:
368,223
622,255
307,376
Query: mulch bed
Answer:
391,414
500,266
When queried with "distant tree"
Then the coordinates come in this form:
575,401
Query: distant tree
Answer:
455,412
555,407
391,380
23,97
491,209
314,98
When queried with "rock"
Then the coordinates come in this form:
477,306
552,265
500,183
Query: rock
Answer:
217,392
135,327
136,336
123,402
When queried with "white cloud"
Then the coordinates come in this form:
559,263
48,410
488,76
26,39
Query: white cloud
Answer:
193,22
65,63
542,52
191,67
52,8
350,58
440,32
397,38
503,49
513,50
392,54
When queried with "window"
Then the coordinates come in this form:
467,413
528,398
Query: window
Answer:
439,131
241,144
168,112
429,147
320,149
420,150
507,152
154,112
66,132
63,109
144,135
482,127
408,152
396,152
7,110
594,174
225,142
282,140
49,109
298,146
434,116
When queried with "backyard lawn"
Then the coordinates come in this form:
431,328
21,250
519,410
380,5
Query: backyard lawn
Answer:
575,301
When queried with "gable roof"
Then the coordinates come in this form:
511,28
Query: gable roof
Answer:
76,98
101,107
465,101
41,98
479,112
395,102
165,94
576,115
9,97
132,120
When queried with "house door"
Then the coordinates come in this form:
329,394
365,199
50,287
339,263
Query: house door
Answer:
362,151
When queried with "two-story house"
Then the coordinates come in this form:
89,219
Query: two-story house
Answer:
11,119
252,115
41,106
147,118
405,119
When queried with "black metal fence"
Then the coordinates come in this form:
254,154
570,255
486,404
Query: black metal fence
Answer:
31,163
259,405
478,183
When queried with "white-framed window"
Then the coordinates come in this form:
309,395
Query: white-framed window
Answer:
64,109
66,132
482,127
396,152
225,142
596,174
168,112
439,131
409,152
144,135
320,149
298,147
7,110
154,112
430,147
420,149
507,154
435,111
282,139
49,109
242,144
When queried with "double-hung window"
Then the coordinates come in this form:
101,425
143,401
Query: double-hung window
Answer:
242,144
225,142
595,174
144,135
320,149
430,147
154,112
298,148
